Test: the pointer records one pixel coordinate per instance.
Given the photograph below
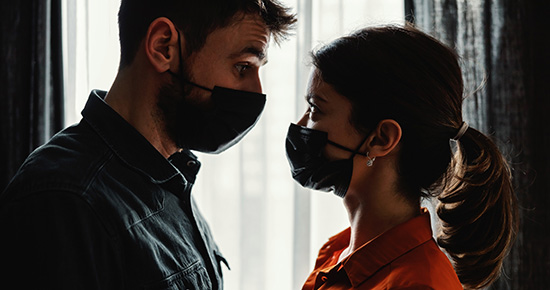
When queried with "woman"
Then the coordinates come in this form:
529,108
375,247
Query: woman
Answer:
384,129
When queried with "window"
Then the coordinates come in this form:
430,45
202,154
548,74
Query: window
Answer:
268,227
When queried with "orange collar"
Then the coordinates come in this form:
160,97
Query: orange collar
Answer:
380,251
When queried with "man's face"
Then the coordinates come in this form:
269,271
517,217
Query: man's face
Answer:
231,57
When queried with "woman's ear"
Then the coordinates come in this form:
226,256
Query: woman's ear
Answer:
161,45
385,138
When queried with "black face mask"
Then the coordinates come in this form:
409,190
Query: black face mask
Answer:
229,117
304,149
218,125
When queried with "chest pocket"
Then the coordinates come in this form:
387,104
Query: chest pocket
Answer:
193,277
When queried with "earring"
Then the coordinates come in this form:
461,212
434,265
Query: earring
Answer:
370,162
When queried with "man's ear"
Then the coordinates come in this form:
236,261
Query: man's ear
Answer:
161,45
384,138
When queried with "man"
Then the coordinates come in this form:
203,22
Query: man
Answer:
106,204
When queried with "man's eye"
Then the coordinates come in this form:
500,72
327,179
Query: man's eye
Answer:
241,68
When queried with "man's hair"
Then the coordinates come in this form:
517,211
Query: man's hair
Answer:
196,19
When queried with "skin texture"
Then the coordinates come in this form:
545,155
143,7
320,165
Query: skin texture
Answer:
231,57
373,202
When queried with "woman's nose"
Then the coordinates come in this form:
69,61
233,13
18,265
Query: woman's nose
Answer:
303,120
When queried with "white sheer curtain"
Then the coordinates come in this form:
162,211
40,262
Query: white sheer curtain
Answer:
268,228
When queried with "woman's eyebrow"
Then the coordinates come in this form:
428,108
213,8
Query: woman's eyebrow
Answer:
315,97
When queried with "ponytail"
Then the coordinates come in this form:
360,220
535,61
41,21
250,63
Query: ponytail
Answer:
478,210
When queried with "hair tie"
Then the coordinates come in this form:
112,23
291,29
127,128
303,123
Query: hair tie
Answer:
461,131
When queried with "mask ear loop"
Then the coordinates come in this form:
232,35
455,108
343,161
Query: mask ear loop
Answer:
371,160
354,152
180,75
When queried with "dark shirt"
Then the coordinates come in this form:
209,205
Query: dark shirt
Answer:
98,207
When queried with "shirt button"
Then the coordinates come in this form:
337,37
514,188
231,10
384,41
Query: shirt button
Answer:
191,163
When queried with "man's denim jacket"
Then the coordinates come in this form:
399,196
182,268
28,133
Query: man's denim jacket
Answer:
98,207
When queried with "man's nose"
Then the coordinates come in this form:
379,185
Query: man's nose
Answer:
254,84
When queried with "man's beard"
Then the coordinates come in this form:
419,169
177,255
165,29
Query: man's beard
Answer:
179,111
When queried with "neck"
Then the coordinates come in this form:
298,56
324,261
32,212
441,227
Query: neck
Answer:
374,205
134,98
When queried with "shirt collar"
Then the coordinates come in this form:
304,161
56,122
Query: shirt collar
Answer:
132,147
387,247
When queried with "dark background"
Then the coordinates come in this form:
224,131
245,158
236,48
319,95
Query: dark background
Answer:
504,46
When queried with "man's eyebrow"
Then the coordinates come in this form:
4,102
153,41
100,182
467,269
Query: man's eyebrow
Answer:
259,53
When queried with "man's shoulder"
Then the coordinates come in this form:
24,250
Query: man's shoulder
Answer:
67,162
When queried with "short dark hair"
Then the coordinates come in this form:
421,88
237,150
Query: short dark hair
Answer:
196,19
401,73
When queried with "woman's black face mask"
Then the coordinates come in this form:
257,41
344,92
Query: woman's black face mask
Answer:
304,149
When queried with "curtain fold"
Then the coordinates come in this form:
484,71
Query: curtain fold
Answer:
31,109
505,57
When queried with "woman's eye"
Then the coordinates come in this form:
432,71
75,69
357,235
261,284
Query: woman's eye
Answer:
313,108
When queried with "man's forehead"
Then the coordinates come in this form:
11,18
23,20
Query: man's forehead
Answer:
251,24
248,35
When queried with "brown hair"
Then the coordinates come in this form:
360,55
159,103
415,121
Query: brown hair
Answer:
196,19
401,73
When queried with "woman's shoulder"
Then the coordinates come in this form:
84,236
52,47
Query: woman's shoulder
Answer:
424,266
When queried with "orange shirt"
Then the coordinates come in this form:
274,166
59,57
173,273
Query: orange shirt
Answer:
405,257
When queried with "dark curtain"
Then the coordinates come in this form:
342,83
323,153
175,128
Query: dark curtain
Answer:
31,78
505,52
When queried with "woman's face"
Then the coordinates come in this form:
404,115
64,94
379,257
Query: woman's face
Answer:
330,112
